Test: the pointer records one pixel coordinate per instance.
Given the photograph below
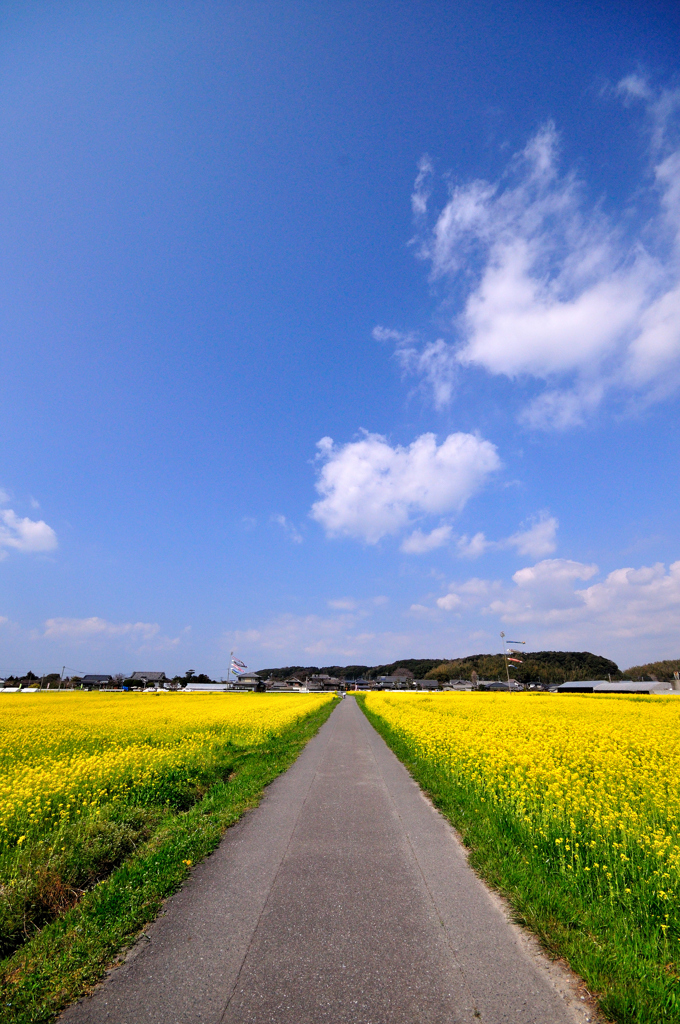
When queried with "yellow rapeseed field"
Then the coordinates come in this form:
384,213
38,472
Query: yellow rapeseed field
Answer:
589,784
65,755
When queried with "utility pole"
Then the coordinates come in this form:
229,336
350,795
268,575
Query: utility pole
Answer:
505,654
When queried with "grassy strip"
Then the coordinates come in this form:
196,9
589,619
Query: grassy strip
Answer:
634,976
64,960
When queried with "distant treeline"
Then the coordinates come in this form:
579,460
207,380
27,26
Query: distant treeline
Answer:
418,666
547,667
663,670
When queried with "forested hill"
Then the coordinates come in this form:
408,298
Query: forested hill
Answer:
661,670
546,666
418,666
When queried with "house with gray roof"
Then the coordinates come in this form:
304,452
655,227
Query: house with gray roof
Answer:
397,681
249,681
149,678
93,682
498,684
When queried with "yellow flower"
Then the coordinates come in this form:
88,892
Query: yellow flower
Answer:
90,750
593,772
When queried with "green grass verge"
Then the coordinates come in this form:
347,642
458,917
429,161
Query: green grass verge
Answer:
63,960
634,975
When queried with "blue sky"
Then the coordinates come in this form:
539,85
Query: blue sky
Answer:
337,333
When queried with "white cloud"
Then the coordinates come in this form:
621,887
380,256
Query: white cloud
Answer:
473,547
556,290
370,489
420,610
418,542
545,591
471,594
343,604
27,535
291,531
536,540
637,602
549,599
80,631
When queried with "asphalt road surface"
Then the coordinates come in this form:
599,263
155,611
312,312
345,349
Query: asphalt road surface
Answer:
343,898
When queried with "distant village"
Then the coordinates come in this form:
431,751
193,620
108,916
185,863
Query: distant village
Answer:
269,681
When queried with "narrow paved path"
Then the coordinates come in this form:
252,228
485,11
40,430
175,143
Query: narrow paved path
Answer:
343,898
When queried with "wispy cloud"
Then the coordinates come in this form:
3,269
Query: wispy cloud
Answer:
144,635
418,543
342,638
472,593
422,187
536,539
370,489
435,362
475,546
389,334
555,289
362,606
290,530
